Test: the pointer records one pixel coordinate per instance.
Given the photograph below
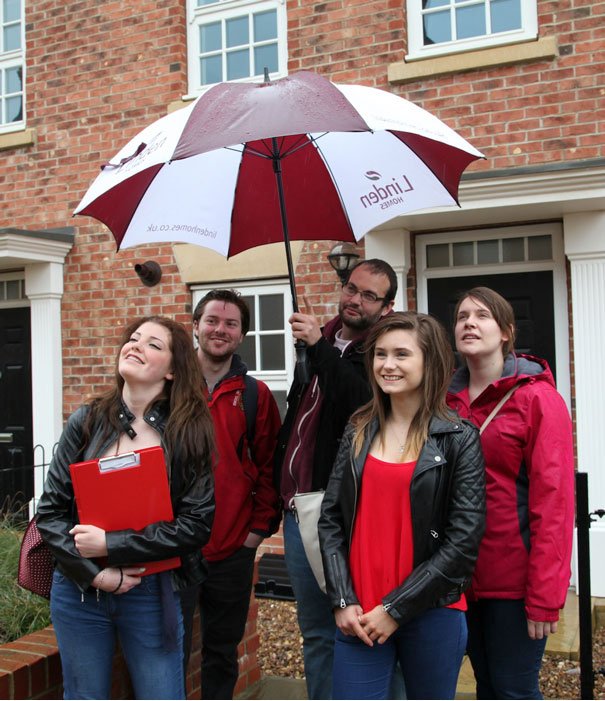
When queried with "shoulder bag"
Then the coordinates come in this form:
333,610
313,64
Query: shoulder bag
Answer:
36,562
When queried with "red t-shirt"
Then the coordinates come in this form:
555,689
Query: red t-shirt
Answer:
382,548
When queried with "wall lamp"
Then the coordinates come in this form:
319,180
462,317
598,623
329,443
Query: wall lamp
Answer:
342,258
149,272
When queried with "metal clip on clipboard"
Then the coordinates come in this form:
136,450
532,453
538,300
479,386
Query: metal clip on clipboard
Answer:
119,462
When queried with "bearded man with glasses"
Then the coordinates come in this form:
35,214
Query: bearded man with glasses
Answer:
317,415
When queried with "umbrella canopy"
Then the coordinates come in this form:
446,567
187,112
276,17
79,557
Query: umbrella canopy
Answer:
299,158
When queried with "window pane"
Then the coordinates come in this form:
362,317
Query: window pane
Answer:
513,250
506,15
487,252
428,4
200,3
237,31
272,352
14,106
271,312
463,253
12,37
12,10
265,57
13,80
437,28
265,26
470,22
438,255
238,64
210,37
539,248
13,289
211,70
250,302
247,352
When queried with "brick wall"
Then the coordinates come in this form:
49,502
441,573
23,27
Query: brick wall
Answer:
95,76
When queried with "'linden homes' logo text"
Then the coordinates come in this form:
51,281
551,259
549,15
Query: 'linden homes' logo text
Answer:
385,195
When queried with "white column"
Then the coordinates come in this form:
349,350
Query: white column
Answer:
585,247
44,288
393,246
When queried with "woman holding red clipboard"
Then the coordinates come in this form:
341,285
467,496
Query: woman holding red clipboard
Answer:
97,592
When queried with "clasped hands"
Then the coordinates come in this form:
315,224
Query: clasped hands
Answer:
374,626
90,542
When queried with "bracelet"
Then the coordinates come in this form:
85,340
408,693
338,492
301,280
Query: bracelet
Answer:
102,573
121,580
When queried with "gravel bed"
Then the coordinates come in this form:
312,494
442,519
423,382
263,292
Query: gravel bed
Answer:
280,654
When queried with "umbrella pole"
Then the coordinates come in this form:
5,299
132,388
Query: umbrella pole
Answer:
284,222
302,369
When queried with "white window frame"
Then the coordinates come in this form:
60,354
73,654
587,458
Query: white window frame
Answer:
10,59
22,300
276,380
416,49
222,11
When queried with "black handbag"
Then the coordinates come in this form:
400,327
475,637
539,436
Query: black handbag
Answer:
36,562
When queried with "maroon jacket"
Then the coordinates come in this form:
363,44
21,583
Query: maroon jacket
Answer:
244,491
528,449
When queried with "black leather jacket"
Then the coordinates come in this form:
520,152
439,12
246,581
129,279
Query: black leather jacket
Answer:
447,496
193,507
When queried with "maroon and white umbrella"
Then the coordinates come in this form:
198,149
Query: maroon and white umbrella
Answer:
299,158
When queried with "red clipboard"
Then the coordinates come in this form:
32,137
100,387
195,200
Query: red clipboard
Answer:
129,490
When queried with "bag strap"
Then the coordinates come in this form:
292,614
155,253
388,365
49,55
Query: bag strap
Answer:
250,400
498,406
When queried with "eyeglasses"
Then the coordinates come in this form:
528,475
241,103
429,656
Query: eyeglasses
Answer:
350,290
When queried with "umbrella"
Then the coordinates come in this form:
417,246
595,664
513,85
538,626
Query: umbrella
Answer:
299,158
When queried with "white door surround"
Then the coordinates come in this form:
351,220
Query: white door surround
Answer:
41,256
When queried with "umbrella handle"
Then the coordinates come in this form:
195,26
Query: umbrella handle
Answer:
303,372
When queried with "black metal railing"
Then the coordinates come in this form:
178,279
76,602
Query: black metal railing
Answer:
584,518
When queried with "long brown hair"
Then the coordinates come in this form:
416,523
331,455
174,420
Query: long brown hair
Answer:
499,308
438,360
189,432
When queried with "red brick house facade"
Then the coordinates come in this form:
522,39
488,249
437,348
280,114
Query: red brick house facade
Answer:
526,87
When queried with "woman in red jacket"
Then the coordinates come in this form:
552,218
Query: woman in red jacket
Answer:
523,569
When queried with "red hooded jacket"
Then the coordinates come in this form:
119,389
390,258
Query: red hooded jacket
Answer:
528,448
245,494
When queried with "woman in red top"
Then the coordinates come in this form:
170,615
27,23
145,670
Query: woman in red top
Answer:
401,521
523,569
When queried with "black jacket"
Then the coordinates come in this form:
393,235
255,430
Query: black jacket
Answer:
344,386
193,507
447,496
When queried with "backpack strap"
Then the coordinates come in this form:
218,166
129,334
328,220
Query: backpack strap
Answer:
250,401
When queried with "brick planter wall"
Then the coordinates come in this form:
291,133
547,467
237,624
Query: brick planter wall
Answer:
30,668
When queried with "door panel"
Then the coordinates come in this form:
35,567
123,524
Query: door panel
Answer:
530,294
16,450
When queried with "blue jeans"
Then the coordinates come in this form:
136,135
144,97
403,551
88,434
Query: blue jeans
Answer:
429,650
315,617
506,661
86,634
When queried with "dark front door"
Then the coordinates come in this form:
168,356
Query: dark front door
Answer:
530,294
16,451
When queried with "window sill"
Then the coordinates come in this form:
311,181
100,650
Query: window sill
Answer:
17,139
402,72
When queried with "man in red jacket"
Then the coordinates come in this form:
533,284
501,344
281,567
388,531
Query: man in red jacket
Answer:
247,503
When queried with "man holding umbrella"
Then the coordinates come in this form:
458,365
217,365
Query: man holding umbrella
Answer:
317,415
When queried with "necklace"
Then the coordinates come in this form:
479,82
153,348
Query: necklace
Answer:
401,446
